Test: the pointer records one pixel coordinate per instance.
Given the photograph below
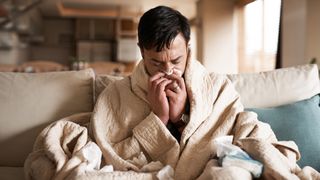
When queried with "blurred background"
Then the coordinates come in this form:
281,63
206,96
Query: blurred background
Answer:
228,36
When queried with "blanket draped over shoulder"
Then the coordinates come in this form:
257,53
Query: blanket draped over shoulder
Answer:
124,139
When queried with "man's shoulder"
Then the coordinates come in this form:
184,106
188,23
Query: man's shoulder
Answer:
219,78
118,86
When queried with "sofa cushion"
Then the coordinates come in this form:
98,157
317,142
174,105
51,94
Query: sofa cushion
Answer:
29,102
299,122
11,173
278,87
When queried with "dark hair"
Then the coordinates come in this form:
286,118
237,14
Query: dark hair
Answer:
159,26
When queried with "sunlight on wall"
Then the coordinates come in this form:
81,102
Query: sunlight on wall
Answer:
261,28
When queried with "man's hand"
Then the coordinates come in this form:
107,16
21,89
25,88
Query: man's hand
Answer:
177,94
157,96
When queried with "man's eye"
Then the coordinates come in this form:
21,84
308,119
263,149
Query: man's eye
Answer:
176,62
156,63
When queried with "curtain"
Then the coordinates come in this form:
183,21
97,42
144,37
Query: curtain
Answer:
279,49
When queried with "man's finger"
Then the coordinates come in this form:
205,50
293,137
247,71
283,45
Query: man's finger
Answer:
158,81
179,80
156,76
172,85
170,94
162,85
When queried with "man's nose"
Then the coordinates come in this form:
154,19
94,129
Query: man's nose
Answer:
168,67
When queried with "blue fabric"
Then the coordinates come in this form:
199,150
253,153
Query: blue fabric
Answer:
299,122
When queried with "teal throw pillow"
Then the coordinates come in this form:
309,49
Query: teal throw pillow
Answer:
299,122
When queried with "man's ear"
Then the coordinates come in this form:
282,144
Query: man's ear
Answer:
141,51
188,52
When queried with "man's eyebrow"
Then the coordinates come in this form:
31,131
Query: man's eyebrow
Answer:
175,59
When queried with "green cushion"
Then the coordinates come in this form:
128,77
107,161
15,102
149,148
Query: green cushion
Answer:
299,122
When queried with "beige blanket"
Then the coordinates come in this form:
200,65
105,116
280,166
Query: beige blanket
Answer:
132,143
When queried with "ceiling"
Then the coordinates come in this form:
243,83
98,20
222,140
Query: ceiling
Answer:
51,7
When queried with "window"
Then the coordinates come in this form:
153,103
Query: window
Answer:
258,35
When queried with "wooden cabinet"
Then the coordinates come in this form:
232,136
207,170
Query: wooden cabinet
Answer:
95,39
92,51
101,39
127,48
127,28
95,29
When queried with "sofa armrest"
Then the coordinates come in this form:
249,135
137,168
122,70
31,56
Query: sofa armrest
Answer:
30,101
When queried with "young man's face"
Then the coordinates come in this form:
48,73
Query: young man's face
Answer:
167,60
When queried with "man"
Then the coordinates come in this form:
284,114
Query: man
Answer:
162,120
165,52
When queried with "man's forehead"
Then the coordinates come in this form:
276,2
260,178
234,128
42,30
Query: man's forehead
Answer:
177,43
172,51
165,54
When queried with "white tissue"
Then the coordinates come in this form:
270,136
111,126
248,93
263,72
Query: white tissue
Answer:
231,155
106,168
166,173
168,72
177,71
90,157
92,154
225,147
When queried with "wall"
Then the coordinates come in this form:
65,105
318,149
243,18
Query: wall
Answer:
313,31
218,41
301,32
294,32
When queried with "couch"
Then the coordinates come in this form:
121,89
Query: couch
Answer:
29,102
